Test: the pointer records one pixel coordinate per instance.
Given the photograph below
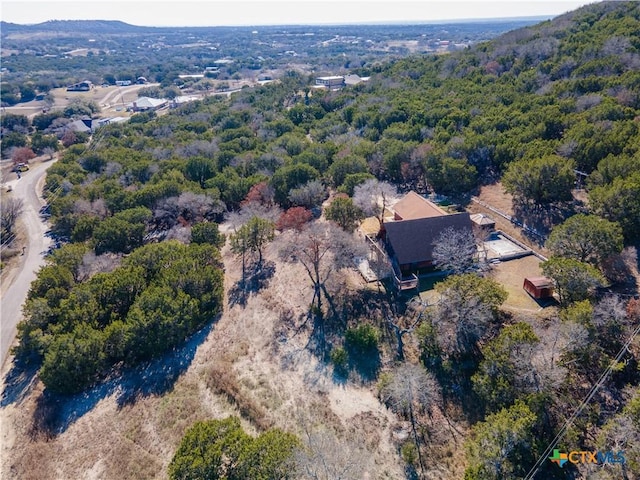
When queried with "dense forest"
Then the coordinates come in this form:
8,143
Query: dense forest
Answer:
136,210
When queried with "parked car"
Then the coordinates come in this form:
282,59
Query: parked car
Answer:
21,167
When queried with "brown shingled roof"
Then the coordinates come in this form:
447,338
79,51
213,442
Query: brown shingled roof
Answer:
540,282
413,206
412,240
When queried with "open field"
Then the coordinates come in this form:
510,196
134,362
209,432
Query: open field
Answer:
113,100
108,98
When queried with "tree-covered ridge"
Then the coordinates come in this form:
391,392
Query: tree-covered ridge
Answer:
430,123
82,324
113,296
440,124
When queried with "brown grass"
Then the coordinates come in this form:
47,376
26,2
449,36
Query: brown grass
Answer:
10,257
222,381
254,363
495,196
510,275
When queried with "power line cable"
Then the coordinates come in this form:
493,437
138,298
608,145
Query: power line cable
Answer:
582,406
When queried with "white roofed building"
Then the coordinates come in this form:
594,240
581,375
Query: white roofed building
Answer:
143,104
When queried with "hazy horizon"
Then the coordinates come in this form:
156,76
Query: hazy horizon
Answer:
199,13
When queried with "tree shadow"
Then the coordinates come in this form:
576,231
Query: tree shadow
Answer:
457,387
18,382
326,330
362,368
619,270
537,221
256,280
340,375
55,413
365,364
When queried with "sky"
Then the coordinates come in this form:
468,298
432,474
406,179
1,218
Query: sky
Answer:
267,12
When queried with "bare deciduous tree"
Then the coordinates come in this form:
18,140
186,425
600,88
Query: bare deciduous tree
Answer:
455,250
412,390
325,457
10,210
622,434
611,309
92,264
322,249
460,323
180,233
310,195
375,197
49,152
97,207
190,206
467,306
253,209
402,325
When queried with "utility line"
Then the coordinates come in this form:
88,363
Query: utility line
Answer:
581,407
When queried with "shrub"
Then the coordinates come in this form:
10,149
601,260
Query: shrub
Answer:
340,360
362,339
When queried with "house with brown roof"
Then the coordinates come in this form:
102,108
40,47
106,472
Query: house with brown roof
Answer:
410,242
413,206
411,234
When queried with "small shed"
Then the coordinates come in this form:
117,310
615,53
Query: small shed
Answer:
539,287
483,223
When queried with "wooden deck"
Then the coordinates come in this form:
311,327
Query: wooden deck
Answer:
406,283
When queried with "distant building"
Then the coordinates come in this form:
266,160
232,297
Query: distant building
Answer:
83,125
353,79
181,100
88,125
144,104
83,86
336,81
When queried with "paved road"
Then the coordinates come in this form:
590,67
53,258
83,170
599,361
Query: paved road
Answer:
13,296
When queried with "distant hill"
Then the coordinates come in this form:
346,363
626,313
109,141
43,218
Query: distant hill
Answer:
73,26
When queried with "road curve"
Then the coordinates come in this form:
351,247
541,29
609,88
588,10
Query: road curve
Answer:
28,188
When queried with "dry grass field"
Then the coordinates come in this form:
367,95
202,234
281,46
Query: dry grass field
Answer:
253,362
510,275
